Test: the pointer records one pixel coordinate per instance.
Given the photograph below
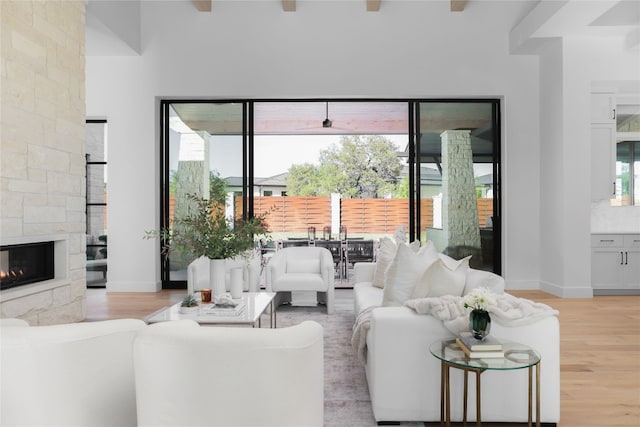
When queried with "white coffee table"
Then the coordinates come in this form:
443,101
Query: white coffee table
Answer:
256,304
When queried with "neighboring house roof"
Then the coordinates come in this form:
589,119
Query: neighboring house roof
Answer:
485,179
428,176
279,180
234,181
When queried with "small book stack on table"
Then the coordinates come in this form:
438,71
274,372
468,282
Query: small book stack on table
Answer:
488,348
225,309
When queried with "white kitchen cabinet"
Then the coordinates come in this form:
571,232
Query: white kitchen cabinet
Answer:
603,162
615,263
603,108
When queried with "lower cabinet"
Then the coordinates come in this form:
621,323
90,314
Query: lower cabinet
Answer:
615,263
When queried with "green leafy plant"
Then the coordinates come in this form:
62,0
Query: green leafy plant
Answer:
189,301
207,231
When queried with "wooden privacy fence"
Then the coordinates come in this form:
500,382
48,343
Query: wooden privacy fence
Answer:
292,213
379,216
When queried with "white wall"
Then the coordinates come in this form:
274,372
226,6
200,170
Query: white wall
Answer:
569,66
330,49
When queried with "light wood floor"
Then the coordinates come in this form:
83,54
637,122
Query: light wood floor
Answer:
600,349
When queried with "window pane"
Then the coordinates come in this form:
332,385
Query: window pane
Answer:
457,179
636,174
96,183
96,141
205,158
623,174
327,164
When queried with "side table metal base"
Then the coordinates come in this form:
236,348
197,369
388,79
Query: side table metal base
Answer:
445,394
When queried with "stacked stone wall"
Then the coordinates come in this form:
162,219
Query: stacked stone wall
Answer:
42,164
460,207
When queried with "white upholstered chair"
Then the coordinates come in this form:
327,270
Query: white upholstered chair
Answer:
78,374
198,273
302,269
187,375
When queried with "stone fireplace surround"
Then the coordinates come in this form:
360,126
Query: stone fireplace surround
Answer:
42,162
21,300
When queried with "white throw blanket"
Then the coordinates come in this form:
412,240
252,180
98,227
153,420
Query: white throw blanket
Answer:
359,336
508,311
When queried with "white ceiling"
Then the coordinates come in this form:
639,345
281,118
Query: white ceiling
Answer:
114,27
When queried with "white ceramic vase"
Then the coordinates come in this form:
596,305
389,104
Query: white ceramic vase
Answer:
217,276
236,283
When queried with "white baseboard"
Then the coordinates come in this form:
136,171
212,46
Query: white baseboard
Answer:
552,288
567,292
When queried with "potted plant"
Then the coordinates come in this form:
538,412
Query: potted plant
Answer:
206,232
480,301
189,305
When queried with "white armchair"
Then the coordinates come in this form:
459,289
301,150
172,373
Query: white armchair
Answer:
302,269
187,375
78,374
198,273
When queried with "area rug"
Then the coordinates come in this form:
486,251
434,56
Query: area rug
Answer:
347,402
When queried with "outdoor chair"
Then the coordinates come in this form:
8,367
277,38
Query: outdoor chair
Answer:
335,247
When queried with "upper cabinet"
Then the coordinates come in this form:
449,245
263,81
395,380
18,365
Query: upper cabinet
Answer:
603,108
603,161
603,146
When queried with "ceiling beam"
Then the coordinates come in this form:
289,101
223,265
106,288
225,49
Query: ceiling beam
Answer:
289,5
373,5
203,5
458,5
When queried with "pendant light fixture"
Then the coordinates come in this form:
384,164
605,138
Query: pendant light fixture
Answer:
326,123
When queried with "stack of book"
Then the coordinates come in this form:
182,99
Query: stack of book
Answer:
487,348
225,309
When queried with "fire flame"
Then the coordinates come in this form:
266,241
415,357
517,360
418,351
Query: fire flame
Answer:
11,275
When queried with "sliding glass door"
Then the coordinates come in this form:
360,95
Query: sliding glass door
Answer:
365,167
204,153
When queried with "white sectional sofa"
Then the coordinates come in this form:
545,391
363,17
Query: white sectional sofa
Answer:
123,373
404,378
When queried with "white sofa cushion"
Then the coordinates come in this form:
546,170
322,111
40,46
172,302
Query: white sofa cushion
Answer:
404,271
302,282
365,295
442,278
304,265
386,253
483,279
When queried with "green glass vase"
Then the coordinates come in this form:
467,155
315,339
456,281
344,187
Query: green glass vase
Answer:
479,324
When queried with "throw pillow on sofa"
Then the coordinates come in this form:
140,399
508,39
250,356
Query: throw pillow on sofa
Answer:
483,279
443,277
404,271
386,253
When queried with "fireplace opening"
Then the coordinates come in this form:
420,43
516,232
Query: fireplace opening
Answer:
26,263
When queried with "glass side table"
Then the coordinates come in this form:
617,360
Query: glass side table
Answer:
516,356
